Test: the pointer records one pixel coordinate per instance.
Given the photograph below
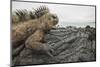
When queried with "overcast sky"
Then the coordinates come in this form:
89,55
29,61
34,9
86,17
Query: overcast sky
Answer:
66,13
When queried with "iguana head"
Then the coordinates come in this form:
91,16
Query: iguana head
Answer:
46,18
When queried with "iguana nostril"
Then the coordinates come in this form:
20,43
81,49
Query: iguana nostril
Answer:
54,17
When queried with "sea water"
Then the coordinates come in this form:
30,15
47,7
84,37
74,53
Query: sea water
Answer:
77,24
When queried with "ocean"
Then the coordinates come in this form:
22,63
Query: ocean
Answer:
77,24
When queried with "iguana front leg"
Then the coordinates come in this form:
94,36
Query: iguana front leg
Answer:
36,43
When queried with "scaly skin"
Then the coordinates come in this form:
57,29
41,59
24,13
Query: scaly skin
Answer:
33,32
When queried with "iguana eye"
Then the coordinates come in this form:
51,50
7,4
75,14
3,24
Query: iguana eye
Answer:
49,18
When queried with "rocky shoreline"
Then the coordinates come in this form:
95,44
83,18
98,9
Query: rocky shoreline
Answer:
70,44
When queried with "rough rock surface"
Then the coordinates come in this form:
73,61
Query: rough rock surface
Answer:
70,44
